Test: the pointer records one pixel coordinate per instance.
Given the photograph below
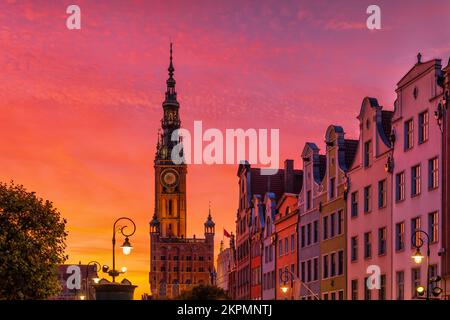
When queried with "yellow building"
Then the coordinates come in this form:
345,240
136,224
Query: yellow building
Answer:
339,155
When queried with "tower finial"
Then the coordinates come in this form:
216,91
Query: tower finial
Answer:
419,58
209,209
171,95
171,69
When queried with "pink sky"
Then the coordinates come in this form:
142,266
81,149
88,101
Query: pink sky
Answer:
80,109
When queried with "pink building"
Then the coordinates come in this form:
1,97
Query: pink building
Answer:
369,217
268,251
417,176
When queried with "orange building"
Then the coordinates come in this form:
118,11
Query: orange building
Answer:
286,262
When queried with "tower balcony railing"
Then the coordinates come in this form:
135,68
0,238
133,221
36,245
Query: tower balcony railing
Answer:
182,240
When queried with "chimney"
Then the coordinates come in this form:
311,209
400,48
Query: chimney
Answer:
289,176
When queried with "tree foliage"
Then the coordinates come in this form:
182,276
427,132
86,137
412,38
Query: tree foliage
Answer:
32,243
204,292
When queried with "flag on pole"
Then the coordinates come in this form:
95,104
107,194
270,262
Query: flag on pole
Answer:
225,233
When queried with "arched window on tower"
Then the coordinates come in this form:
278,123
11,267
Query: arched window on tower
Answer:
170,207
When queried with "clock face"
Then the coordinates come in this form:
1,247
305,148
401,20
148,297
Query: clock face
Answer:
169,178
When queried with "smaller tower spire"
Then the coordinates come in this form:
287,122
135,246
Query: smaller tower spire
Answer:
171,95
171,69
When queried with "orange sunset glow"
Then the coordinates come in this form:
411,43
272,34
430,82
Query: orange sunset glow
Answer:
80,109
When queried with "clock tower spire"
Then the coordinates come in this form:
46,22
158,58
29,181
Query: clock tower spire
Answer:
170,178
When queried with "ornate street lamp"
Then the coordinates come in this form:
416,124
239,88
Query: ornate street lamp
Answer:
126,246
418,240
286,277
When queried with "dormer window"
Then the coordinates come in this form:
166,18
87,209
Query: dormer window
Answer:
367,153
332,187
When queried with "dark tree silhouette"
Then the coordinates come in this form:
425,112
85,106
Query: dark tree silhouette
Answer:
203,292
32,243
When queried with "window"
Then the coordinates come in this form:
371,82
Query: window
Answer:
415,180
367,152
423,127
382,193
332,187
316,269
325,296
400,275
382,291
303,236
333,264
355,289
367,245
367,291
325,227
308,200
303,271
292,242
280,274
325,266
309,272
433,229
340,270
266,254
271,249
308,234
433,173
286,246
341,294
280,247
367,199
354,248
400,186
354,199
399,236
415,224
409,134
316,231
170,209
333,296
415,281
332,225
340,226
382,241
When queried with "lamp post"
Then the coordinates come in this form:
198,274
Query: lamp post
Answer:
288,276
126,246
98,267
418,240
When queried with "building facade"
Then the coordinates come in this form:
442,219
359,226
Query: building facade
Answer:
256,229
417,203
88,273
286,229
353,219
369,213
333,209
268,252
443,115
309,215
224,263
176,262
